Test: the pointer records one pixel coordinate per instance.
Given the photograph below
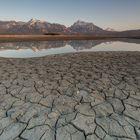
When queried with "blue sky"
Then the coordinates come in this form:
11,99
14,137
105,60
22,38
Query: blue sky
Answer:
117,14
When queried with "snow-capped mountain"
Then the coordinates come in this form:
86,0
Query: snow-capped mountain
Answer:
34,21
32,26
80,23
85,27
109,29
35,26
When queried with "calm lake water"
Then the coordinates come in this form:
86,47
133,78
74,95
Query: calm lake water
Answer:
43,48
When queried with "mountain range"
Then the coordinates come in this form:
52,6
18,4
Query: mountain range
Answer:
35,26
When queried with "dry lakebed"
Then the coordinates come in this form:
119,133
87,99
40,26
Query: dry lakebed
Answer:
77,96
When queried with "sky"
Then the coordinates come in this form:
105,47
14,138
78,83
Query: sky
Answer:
116,14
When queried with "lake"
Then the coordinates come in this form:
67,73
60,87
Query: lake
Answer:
43,48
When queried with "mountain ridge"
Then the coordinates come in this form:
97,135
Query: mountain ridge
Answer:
35,26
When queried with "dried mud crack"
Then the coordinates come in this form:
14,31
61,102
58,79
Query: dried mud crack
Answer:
81,96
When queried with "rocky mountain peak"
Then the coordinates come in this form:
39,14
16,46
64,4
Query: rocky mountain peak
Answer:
33,21
81,23
85,27
109,29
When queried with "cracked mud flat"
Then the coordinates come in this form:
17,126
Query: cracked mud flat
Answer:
81,96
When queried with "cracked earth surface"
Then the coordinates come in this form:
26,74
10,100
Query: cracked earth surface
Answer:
81,96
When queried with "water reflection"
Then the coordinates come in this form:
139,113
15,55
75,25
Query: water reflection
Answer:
85,44
35,46
42,48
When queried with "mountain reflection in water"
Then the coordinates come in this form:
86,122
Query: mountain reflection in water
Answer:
55,47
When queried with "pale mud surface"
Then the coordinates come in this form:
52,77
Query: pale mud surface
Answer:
81,96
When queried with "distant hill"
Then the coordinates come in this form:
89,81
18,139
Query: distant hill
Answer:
35,26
